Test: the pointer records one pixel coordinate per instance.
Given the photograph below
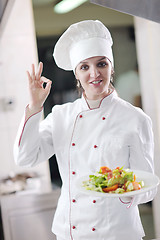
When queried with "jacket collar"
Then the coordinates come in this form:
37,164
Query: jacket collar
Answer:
106,101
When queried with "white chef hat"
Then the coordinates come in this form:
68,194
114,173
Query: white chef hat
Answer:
80,41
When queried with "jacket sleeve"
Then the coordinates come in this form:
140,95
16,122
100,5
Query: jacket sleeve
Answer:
34,142
141,158
142,147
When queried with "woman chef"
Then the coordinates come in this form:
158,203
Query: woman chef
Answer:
98,129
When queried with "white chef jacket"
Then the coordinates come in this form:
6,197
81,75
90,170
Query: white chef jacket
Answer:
83,139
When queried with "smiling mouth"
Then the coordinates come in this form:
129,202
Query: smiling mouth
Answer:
96,82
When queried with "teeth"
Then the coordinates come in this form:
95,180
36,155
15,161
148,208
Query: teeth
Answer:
95,82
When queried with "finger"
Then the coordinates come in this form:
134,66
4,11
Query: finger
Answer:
48,86
40,69
45,80
42,81
29,77
33,72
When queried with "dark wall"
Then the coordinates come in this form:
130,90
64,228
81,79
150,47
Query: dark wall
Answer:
63,85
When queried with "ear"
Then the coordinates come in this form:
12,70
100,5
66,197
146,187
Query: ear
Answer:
112,71
75,74
74,71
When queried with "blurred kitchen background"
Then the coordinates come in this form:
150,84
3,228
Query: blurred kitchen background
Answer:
28,32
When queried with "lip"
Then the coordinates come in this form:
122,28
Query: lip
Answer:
96,82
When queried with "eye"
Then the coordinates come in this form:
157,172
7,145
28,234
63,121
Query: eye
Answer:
84,67
102,64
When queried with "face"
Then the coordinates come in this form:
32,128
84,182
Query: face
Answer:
94,75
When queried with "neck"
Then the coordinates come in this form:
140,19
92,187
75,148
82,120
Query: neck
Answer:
99,97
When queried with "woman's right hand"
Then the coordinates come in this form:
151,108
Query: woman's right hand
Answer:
38,93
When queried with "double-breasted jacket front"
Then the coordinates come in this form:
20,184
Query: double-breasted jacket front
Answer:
84,139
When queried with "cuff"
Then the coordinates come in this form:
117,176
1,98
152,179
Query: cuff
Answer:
126,200
25,121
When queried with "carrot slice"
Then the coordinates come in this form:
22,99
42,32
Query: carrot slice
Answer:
134,177
109,189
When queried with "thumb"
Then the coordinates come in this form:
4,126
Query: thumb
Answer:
48,85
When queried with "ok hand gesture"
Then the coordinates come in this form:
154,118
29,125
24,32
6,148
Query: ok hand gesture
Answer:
38,93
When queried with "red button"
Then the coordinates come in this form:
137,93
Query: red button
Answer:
94,201
73,172
93,229
73,144
95,146
73,227
73,200
80,116
103,118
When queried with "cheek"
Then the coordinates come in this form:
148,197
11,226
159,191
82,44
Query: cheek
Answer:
82,77
108,74
82,81
79,75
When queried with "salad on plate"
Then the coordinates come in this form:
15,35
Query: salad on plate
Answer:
116,180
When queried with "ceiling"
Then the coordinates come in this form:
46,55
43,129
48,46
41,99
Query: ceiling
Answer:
42,2
142,8
48,23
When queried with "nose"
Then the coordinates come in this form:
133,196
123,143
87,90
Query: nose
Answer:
94,72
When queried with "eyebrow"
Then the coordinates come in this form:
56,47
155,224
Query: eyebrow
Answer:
102,59
97,60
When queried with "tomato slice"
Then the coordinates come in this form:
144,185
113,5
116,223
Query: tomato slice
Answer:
109,189
105,169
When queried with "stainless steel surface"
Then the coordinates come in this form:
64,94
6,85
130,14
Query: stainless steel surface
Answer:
149,9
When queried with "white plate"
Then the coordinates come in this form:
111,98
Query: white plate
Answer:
150,181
